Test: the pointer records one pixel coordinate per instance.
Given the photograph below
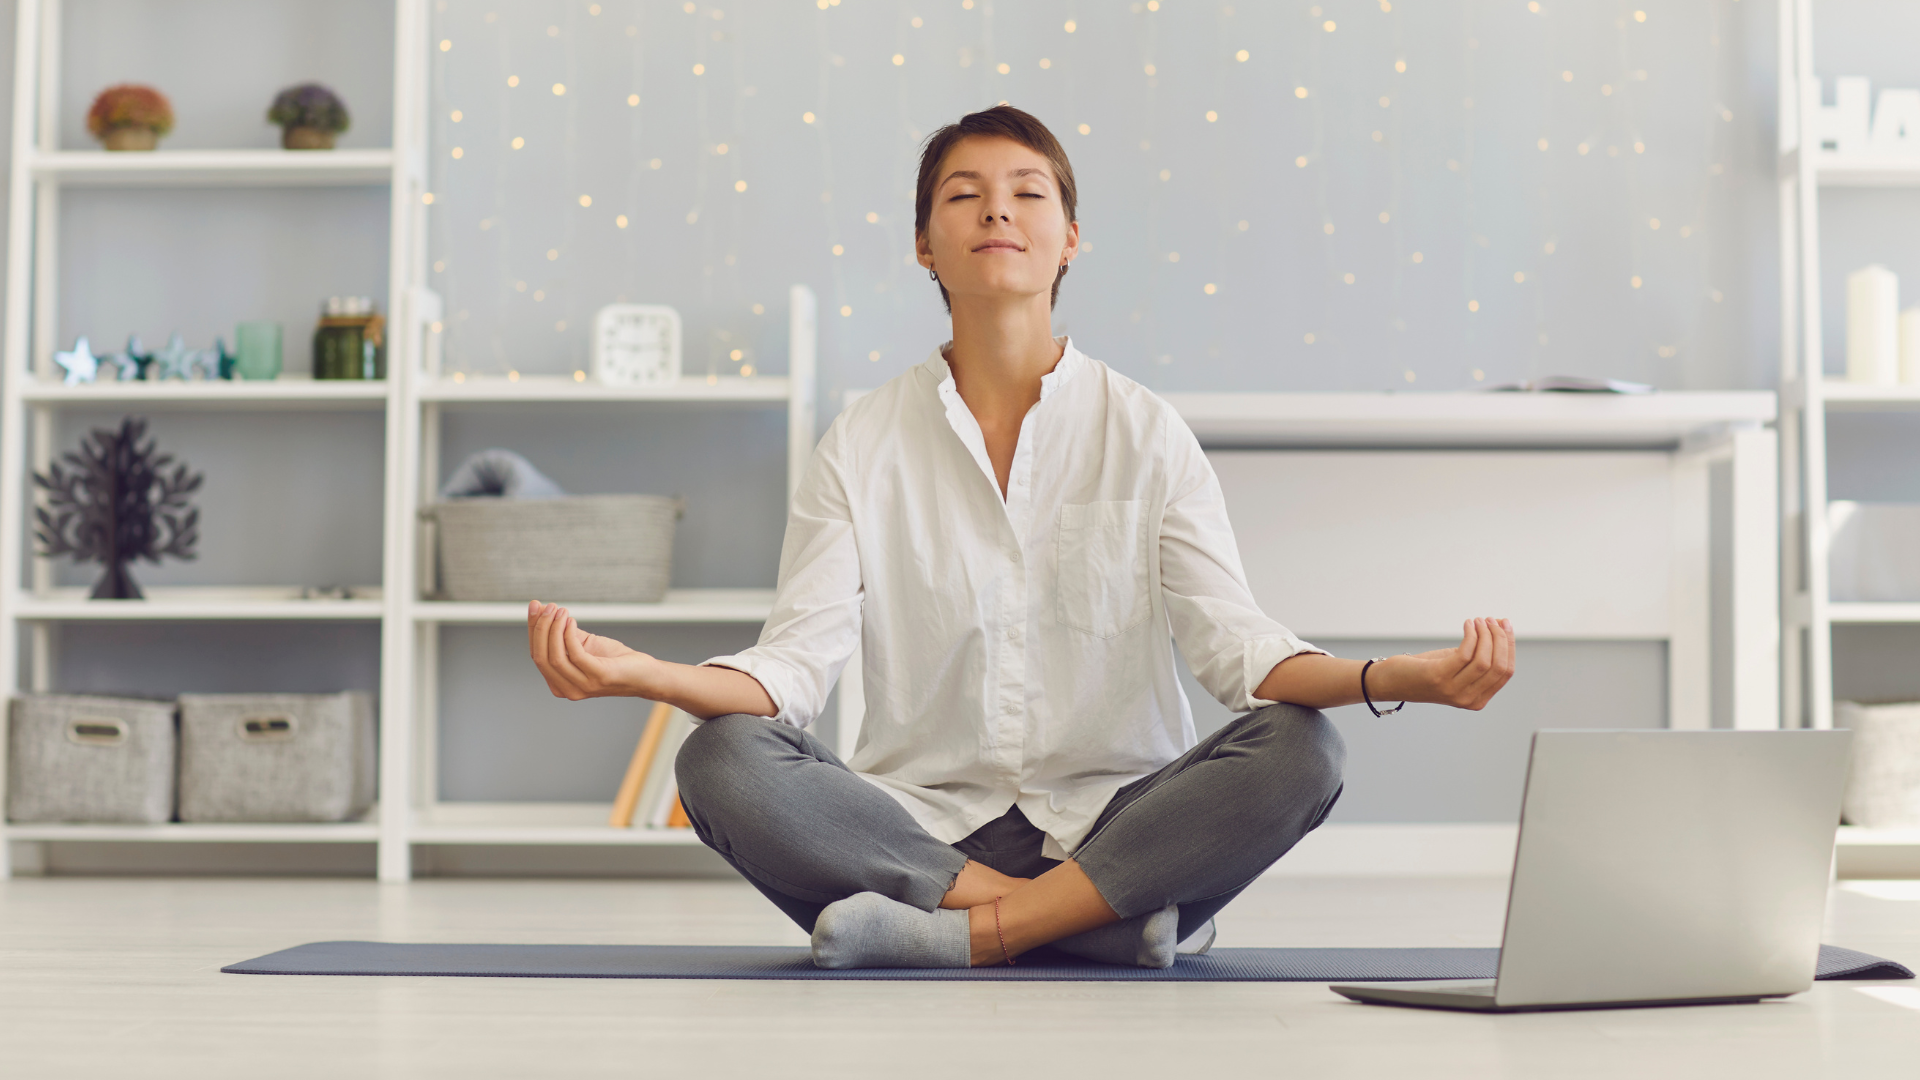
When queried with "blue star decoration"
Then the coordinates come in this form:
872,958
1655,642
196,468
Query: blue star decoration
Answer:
175,361
82,366
213,363
133,360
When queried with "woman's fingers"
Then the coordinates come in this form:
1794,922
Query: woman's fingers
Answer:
1500,669
563,666
594,671
1469,637
535,610
566,679
564,655
539,628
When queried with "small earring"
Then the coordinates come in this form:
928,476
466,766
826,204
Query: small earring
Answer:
1063,269
932,274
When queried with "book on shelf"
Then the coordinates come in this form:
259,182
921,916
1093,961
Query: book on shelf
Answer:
660,793
633,784
677,817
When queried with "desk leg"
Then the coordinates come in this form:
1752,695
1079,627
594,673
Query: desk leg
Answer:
1755,574
1690,637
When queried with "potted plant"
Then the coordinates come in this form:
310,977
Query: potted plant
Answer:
130,117
309,115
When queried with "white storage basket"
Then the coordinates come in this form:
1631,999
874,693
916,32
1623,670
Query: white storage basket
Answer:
77,757
576,549
1883,790
276,757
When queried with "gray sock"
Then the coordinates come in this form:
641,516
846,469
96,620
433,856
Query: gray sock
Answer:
1142,941
1198,942
869,930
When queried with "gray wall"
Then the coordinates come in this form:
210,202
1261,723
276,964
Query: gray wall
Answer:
1457,169
1674,114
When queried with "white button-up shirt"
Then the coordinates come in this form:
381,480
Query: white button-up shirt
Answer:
1016,650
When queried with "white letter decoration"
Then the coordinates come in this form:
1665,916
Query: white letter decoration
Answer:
1845,127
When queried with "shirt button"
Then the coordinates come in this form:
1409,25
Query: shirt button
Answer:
1013,633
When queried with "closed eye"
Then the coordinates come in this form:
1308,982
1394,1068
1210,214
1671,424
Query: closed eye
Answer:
957,198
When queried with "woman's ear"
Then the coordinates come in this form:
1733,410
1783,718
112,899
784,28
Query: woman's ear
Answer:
923,251
1072,250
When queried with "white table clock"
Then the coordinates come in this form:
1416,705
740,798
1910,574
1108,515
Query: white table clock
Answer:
636,345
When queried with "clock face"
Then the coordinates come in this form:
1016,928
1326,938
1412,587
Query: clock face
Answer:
636,345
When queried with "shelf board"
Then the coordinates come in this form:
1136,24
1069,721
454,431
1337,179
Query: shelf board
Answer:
680,606
1866,170
195,603
579,824
215,168
272,394
728,389
1873,612
1843,396
1855,836
1468,419
542,835
349,832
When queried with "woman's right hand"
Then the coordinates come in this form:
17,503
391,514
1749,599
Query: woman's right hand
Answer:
578,665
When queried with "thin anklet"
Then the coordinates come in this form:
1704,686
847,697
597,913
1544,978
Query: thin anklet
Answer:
1001,934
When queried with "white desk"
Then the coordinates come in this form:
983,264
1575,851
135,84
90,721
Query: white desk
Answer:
1581,517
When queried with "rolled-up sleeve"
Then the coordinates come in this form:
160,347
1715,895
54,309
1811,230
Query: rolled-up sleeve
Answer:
1229,643
815,624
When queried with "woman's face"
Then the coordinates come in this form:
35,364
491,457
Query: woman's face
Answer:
997,229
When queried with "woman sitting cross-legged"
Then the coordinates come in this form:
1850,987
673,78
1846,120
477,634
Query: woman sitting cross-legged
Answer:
1014,537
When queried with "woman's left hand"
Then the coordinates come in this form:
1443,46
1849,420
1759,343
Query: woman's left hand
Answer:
1465,676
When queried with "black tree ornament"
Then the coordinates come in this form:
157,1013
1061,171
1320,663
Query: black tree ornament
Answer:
115,502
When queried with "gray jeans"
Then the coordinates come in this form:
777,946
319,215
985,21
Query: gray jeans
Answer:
783,810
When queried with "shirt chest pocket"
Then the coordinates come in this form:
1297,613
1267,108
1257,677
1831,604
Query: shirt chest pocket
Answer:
1102,550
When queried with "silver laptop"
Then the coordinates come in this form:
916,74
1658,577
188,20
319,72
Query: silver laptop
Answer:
1660,868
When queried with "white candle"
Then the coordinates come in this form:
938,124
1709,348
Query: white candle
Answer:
1873,330
1910,345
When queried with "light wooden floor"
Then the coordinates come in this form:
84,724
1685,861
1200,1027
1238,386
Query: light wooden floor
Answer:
119,977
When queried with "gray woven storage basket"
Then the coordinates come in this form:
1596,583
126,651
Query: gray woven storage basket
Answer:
80,758
276,757
1883,789
606,548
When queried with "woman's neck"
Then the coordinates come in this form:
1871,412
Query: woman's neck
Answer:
1000,353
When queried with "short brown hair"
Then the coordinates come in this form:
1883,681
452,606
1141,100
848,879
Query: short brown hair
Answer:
1001,121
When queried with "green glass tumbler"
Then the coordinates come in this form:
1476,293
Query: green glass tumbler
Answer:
257,350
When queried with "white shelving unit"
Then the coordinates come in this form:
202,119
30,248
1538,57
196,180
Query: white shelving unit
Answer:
1808,396
410,761
414,398
31,396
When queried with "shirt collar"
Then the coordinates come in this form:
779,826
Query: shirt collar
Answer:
1071,361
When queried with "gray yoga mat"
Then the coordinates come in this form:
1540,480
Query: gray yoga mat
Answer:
758,962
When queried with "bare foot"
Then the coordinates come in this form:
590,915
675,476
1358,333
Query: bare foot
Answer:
979,884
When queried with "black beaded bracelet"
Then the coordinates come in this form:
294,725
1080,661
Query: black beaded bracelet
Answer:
1368,697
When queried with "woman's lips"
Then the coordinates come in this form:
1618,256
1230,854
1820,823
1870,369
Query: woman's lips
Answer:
999,245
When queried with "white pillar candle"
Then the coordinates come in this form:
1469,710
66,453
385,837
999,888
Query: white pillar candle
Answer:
1873,331
1910,346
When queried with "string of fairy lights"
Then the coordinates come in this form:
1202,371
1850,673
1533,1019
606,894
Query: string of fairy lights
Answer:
580,124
